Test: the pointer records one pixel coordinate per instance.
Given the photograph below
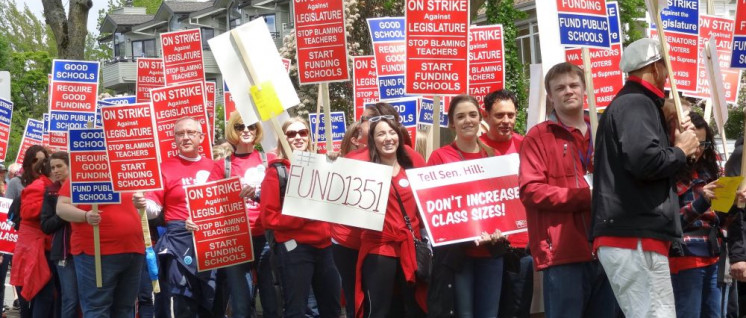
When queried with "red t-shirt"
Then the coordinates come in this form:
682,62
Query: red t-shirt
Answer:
177,173
251,170
120,228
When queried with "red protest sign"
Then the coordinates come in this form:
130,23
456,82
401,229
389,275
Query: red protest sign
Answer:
286,63
608,79
32,135
486,61
365,88
8,235
321,41
149,76
721,29
458,201
229,105
437,38
182,56
210,105
224,235
131,147
682,49
58,140
172,103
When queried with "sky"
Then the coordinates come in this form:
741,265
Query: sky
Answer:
38,9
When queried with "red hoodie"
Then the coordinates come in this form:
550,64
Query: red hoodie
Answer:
303,231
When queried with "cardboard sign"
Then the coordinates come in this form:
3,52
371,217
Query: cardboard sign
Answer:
345,191
389,50
321,41
426,112
338,130
8,235
365,87
182,56
224,235
131,147
486,61
583,23
721,29
149,76
74,93
121,100
437,47
738,57
172,103
210,98
608,79
32,135
458,201
681,23
90,180
58,141
6,117
714,76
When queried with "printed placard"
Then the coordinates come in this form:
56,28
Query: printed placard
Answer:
458,201
407,108
389,51
121,100
210,98
58,141
6,118
45,133
721,29
182,56
321,41
365,88
90,180
486,61
8,235
437,39
149,76
681,23
229,105
131,147
73,94
426,112
32,135
224,235
172,103
346,191
738,57
583,23
338,130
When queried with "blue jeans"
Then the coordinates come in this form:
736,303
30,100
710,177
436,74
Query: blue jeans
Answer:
302,268
120,275
68,288
265,285
696,292
145,307
239,281
578,290
478,286
518,288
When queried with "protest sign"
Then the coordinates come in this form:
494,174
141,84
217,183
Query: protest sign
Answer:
286,63
321,41
182,56
722,30
407,108
458,201
58,140
738,57
437,39
121,100
229,105
426,112
486,61
131,147
365,88
224,235
583,23
100,104
32,135
74,93
6,117
149,76
389,51
175,102
210,98
608,79
45,130
345,191
90,180
681,25
338,130
8,235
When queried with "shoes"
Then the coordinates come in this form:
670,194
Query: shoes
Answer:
16,306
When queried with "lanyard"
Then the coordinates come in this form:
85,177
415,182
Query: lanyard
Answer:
584,160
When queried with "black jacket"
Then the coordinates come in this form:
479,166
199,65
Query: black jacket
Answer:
635,168
736,238
53,224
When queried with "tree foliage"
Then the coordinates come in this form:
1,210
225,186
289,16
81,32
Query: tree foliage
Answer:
631,14
23,30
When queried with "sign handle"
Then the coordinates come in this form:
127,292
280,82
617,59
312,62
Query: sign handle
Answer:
97,250
708,110
742,205
148,243
715,99
327,116
436,124
319,101
590,93
653,4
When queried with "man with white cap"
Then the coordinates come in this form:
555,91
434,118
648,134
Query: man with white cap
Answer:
635,205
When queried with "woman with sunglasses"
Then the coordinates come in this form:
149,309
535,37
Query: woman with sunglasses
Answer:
302,246
694,263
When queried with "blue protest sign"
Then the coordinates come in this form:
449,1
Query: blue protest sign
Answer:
583,24
426,113
90,177
338,126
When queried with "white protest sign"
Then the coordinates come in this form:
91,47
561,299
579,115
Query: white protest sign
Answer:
345,191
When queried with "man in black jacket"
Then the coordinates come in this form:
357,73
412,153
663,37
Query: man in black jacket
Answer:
635,207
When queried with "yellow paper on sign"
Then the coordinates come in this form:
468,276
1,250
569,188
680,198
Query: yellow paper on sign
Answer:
266,100
725,196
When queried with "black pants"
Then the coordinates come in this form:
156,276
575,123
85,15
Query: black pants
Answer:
185,307
387,293
346,261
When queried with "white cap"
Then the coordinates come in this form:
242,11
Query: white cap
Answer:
639,54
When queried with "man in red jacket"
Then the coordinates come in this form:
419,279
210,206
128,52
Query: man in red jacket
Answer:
556,156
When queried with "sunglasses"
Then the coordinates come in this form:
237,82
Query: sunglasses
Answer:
378,118
241,127
292,133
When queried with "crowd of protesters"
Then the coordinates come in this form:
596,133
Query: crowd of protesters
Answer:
620,225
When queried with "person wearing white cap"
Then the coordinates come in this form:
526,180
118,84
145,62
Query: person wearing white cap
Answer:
635,206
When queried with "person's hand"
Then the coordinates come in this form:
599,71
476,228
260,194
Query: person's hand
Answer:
93,218
138,199
686,124
686,141
248,191
489,238
332,155
708,191
738,271
190,226
741,197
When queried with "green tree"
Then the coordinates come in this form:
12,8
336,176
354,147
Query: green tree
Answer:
632,14
24,31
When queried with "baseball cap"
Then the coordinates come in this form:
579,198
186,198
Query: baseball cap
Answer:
639,54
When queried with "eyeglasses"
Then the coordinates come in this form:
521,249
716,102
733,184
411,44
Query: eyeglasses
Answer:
292,133
241,127
378,118
705,144
188,133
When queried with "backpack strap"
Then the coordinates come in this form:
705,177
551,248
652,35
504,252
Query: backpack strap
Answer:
282,176
228,167
263,155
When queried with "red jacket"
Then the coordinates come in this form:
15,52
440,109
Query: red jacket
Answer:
304,231
556,196
30,269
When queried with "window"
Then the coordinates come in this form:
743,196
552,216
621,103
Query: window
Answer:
207,33
527,40
234,17
118,42
143,48
269,19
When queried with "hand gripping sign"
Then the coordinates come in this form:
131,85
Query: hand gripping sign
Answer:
460,200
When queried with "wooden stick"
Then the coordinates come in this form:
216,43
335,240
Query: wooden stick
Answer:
667,59
327,116
436,124
740,204
591,94
319,101
148,243
97,250
708,110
